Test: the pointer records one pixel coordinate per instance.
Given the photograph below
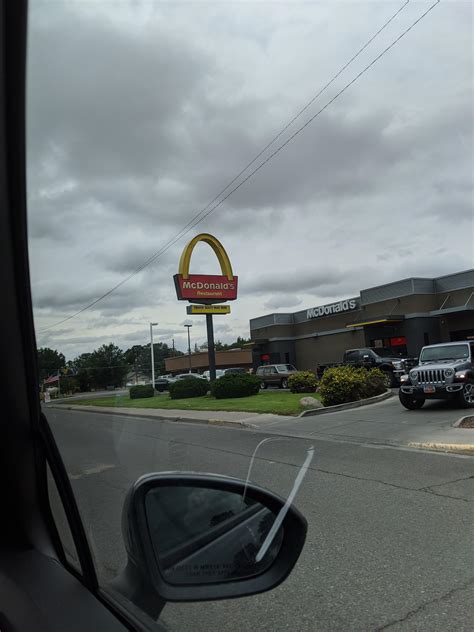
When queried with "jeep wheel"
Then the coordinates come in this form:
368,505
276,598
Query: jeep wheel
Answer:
466,396
284,383
409,401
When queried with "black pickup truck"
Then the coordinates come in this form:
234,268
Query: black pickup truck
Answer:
386,360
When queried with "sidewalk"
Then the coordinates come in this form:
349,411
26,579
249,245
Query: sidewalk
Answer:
384,423
213,417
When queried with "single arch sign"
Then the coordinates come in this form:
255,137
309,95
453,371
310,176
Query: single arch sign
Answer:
205,288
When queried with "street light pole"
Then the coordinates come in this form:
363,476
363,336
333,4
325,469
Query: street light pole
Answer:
152,355
189,347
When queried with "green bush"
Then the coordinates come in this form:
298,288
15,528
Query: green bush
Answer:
141,391
343,384
302,382
235,385
188,387
375,383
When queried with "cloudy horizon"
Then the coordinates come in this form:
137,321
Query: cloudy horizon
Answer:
140,113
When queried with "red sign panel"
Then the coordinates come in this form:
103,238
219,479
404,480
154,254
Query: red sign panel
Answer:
398,342
205,287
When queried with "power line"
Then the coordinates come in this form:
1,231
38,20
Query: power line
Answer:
191,223
197,219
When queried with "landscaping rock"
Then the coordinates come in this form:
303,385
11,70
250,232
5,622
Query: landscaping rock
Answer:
310,402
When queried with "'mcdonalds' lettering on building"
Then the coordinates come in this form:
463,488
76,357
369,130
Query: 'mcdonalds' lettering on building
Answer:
333,308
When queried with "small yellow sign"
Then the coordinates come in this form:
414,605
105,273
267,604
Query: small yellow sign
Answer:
208,309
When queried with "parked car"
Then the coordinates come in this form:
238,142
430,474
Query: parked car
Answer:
162,382
184,376
275,374
444,371
234,370
219,373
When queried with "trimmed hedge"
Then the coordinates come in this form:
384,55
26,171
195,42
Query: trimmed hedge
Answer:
235,385
343,384
188,387
141,391
303,382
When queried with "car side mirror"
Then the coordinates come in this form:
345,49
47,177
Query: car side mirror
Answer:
194,537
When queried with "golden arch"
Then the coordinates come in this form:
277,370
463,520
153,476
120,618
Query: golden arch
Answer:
218,248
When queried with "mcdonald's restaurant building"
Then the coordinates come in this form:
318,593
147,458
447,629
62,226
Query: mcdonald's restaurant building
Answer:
404,315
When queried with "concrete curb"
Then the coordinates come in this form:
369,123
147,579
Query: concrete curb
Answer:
349,405
457,423
192,420
444,447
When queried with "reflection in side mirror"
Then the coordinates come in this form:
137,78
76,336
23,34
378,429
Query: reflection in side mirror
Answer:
202,536
193,537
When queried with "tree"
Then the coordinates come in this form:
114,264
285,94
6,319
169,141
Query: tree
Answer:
138,357
50,361
238,344
81,365
106,366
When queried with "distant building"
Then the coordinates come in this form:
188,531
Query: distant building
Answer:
200,361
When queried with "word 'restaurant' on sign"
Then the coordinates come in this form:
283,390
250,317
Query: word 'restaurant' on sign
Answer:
205,288
208,309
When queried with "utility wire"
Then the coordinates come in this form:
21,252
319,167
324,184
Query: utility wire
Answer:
197,219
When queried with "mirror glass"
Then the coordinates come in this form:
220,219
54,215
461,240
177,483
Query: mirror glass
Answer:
202,535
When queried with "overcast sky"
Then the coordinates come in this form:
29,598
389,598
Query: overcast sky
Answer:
139,113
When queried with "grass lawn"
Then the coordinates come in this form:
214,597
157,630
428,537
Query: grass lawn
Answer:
276,402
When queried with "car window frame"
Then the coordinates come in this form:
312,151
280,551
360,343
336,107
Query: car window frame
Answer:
28,523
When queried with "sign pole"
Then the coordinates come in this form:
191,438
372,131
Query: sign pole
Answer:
210,347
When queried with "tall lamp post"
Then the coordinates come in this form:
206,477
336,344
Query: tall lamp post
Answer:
152,355
189,347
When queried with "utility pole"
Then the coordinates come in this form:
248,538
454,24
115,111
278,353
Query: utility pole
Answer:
152,355
189,347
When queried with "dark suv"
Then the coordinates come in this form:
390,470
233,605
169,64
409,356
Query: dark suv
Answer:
275,374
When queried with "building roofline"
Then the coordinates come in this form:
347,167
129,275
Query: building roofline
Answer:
375,287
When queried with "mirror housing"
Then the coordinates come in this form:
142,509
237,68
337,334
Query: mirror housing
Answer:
144,581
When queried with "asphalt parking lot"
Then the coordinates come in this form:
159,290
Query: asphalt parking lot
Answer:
386,422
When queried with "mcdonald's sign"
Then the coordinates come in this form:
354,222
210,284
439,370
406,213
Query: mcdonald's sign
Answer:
205,288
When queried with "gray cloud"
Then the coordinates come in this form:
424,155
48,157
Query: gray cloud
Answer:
279,301
138,117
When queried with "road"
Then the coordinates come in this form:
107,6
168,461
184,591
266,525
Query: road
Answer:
390,540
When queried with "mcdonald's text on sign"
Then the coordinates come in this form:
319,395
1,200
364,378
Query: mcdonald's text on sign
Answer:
205,287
